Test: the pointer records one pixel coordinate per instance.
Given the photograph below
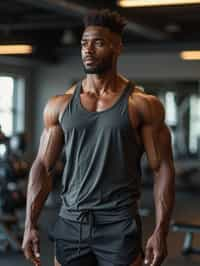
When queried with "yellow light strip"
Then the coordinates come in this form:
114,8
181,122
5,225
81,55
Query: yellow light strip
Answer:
15,49
190,55
149,3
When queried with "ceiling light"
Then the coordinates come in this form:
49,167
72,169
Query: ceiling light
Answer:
190,55
15,49
149,3
68,37
172,28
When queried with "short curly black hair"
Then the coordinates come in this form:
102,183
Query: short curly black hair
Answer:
106,18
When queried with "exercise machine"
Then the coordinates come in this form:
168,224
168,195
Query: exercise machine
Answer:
189,229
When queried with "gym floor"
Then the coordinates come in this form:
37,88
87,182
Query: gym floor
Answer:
186,209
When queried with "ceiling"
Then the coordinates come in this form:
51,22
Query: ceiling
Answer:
54,27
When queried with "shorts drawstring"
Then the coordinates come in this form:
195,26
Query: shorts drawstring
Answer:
90,218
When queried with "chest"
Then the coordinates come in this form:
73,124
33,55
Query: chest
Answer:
93,103
87,114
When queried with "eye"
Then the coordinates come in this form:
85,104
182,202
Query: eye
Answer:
83,43
99,43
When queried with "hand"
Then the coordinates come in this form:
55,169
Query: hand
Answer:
156,249
30,246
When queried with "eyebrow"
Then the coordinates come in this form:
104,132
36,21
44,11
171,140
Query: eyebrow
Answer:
96,39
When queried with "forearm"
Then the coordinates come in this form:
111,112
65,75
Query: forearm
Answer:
164,195
39,186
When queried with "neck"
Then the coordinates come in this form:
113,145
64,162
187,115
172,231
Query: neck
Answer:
100,84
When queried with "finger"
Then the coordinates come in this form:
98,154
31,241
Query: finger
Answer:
148,255
157,258
28,252
36,248
37,263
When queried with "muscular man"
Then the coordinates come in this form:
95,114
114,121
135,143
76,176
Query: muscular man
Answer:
105,124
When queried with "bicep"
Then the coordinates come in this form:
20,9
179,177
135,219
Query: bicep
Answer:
151,146
157,143
165,147
153,125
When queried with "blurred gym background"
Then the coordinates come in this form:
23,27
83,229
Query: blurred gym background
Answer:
40,57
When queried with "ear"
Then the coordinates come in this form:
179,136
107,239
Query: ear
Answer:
117,45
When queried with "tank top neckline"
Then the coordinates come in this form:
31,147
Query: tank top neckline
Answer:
115,104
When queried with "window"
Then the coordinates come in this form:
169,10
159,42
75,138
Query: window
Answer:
11,104
170,108
194,136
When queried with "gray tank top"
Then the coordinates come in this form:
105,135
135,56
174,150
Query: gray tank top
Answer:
102,171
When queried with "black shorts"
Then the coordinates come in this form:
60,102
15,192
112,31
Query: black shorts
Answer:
112,244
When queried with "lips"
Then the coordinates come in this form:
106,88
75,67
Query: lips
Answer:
89,59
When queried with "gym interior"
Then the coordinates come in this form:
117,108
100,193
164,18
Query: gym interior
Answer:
161,55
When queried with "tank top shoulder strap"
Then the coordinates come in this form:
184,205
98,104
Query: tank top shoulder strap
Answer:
75,95
130,88
77,89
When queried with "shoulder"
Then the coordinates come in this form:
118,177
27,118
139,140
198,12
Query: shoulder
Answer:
149,107
55,107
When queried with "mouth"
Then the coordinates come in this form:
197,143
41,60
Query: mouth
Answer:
89,60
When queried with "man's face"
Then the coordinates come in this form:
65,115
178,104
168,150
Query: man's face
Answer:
97,50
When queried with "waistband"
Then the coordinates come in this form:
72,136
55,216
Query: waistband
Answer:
100,216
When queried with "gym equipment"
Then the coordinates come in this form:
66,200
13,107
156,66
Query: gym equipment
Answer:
189,230
13,173
7,237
